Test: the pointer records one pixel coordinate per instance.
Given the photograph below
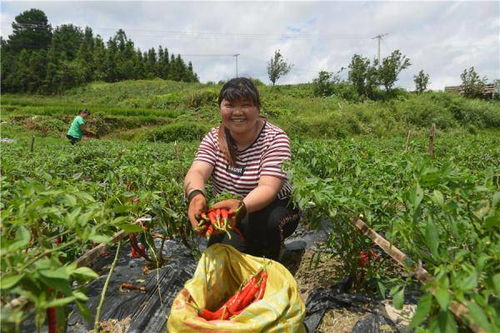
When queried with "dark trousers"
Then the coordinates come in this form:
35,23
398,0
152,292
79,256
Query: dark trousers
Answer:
72,139
263,231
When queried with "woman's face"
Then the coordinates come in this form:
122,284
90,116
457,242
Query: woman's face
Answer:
239,116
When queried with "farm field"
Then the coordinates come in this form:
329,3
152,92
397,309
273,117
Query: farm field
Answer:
351,160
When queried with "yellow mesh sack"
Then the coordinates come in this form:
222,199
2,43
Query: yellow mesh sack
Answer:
219,273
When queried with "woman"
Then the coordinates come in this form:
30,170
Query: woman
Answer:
244,156
76,130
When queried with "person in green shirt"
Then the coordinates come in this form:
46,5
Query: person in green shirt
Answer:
76,130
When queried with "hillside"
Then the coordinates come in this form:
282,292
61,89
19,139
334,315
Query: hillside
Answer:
146,110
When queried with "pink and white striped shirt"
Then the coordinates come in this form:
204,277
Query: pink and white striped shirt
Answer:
264,157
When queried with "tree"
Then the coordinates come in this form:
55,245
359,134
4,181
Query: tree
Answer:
421,81
85,55
472,84
391,67
30,31
66,41
277,67
362,75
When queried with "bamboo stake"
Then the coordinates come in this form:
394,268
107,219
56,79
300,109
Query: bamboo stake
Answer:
407,140
32,146
432,134
103,293
458,309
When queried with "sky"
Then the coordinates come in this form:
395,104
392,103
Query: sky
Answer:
440,37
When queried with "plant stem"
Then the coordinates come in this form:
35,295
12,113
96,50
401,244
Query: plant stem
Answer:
43,254
103,293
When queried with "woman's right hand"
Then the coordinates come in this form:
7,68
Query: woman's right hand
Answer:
197,205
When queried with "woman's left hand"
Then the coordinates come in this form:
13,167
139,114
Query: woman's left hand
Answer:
229,204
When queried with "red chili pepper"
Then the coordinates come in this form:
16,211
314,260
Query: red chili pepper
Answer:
207,314
235,300
134,253
247,293
212,217
249,296
140,250
210,231
262,288
132,287
52,319
217,218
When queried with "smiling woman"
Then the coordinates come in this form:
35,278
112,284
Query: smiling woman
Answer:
244,156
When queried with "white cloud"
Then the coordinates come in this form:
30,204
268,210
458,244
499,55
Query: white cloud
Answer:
442,38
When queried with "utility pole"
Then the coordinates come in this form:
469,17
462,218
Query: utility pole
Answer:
236,58
379,37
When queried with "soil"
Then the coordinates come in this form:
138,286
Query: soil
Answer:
320,270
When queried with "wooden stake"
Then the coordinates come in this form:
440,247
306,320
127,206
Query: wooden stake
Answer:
432,134
32,143
407,140
458,309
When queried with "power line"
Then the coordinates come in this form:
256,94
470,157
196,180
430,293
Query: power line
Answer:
221,35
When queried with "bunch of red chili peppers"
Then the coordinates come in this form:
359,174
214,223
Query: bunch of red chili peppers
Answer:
137,250
215,221
251,292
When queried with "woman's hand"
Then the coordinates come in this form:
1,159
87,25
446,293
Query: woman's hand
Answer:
197,205
232,204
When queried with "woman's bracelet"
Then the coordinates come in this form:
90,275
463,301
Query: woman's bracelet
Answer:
241,211
192,194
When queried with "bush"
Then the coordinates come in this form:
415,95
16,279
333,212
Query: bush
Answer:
46,125
180,131
203,97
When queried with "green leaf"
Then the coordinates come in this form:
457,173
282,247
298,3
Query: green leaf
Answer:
479,317
398,299
445,323
121,208
423,309
492,220
58,284
443,297
100,238
419,195
69,200
131,228
23,237
438,198
432,238
84,311
85,273
59,273
60,302
8,281
496,199
80,296
496,283
470,282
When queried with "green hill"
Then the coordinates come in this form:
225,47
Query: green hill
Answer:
139,109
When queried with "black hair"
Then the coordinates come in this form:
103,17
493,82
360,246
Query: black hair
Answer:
239,88
84,111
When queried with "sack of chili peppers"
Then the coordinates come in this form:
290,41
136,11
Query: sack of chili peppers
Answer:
235,292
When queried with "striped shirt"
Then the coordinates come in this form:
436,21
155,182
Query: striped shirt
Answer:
264,157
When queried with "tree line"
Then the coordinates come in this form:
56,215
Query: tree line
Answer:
39,59
365,77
